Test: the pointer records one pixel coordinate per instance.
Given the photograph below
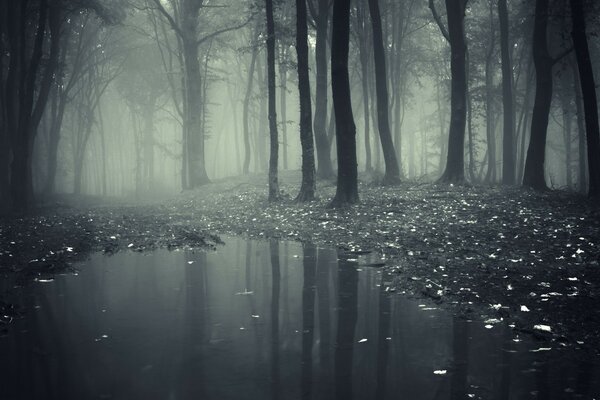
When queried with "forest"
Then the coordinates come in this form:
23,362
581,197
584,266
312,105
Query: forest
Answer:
358,168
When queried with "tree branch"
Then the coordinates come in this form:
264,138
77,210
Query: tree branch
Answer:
224,30
169,17
438,20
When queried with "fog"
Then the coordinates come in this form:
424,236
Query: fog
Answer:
134,110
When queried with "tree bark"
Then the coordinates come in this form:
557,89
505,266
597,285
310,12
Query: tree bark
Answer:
307,189
508,147
246,111
273,136
392,172
193,80
347,181
581,139
533,176
324,165
454,171
364,69
588,90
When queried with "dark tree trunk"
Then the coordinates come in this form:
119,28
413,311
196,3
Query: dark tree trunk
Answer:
508,147
246,112
24,109
454,172
471,166
533,176
392,173
588,90
307,190
489,120
274,142
195,135
324,166
347,181
283,106
581,140
364,69
524,121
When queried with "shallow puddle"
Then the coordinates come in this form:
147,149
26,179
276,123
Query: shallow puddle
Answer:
265,320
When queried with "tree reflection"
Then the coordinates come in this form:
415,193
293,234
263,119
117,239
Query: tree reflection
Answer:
275,289
323,260
347,316
382,334
308,317
460,352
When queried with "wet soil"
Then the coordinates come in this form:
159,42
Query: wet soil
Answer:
486,252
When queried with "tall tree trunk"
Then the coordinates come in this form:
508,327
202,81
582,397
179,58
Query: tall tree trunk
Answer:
274,141
347,181
508,147
307,189
471,166
533,176
324,166
364,68
581,140
195,135
246,111
588,90
283,108
489,121
524,122
455,163
392,173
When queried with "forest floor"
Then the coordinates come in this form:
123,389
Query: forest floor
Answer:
528,258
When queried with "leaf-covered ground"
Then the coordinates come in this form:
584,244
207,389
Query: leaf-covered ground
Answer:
495,253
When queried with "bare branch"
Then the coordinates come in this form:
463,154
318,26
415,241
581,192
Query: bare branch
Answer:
438,20
224,30
169,17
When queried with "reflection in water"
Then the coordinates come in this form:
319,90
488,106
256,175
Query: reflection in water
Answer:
382,336
242,323
347,316
308,317
460,352
276,277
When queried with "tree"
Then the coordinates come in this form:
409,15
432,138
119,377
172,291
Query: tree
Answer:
454,171
324,166
392,172
183,18
307,189
364,58
588,89
27,88
345,130
533,175
273,136
508,148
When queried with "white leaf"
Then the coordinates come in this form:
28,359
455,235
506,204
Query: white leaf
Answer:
545,328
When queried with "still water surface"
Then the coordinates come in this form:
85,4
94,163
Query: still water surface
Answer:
264,320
